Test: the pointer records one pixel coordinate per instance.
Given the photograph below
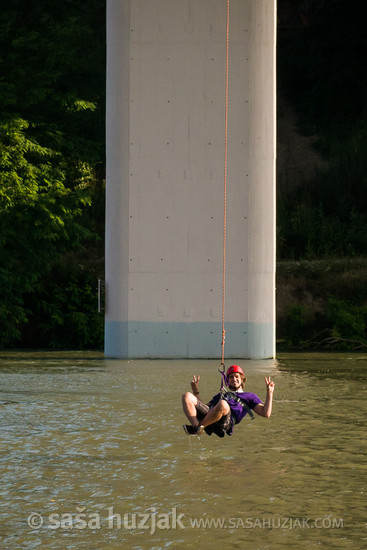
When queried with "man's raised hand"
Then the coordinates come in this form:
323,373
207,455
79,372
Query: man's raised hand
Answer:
269,385
195,383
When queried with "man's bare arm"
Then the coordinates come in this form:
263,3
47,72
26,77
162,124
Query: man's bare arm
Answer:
265,409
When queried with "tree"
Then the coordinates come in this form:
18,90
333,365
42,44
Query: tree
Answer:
51,144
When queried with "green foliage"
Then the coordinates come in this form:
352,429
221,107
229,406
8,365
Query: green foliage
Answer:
295,323
321,74
323,304
51,151
64,311
308,230
341,325
347,320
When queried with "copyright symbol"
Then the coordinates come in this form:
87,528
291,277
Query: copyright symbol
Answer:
35,521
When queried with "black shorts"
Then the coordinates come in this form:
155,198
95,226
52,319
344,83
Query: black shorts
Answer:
220,427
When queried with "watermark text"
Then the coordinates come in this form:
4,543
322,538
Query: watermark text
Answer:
153,520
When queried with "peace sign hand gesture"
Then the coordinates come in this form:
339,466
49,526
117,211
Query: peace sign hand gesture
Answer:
195,383
269,385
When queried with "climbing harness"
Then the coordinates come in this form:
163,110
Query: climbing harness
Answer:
234,397
224,382
228,395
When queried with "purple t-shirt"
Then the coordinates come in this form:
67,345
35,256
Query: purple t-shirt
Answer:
237,410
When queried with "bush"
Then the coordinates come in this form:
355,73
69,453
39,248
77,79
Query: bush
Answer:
347,321
296,320
64,312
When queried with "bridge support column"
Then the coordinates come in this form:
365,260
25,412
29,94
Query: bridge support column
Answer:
165,173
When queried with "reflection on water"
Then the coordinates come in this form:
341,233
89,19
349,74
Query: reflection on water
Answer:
94,450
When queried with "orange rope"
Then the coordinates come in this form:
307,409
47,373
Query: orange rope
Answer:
225,190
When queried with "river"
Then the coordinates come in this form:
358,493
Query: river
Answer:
93,456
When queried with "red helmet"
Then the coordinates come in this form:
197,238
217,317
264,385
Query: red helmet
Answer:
235,368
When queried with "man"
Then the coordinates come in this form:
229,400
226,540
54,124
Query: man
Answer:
224,411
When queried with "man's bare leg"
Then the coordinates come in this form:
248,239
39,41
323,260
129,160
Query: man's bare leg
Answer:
189,402
215,413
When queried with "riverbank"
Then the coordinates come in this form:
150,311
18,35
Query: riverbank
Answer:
322,304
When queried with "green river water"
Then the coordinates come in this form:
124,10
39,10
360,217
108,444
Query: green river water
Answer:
93,456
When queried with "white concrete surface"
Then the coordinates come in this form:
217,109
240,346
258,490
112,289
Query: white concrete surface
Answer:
165,173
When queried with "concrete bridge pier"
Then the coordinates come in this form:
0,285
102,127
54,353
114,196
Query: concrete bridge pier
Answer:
165,173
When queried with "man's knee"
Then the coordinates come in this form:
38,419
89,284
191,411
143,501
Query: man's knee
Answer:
223,407
187,397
